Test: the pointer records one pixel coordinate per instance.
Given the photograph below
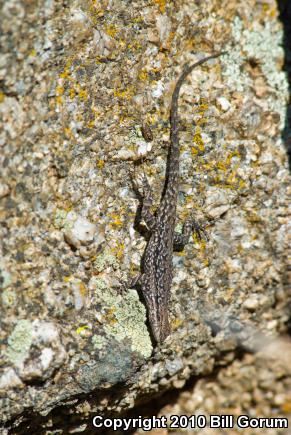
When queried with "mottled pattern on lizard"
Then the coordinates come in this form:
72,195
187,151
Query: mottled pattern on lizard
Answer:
156,274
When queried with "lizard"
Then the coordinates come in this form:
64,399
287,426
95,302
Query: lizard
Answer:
156,268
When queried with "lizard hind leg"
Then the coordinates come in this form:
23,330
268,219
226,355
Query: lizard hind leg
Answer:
131,283
181,240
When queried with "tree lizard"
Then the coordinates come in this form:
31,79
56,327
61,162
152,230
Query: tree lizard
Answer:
157,269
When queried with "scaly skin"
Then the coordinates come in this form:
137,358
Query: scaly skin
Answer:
157,269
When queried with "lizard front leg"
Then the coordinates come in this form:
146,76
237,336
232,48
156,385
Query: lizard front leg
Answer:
181,239
149,219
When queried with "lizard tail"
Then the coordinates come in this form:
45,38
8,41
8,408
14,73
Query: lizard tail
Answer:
187,70
173,163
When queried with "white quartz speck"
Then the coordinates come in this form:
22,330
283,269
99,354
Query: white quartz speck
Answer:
158,90
46,357
223,103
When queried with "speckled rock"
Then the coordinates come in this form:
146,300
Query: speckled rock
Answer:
79,80
255,386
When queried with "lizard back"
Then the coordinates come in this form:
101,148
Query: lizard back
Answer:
157,270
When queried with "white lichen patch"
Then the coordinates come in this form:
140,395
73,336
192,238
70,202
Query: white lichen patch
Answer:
262,43
123,316
9,298
98,342
35,349
60,219
105,260
19,341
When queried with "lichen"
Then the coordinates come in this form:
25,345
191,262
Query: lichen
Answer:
262,43
60,219
9,298
124,317
19,341
98,341
104,260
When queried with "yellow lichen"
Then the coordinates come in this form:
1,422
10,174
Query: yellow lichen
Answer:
68,132
203,106
111,30
72,93
176,323
286,407
161,4
83,289
230,156
66,72
143,75
197,139
81,329
59,100
100,163
194,151
118,250
115,219
180,253
110,316
201,121
231,179
33,52
124,94
221,165
83,94
91,124
121,44
197,240
59,90
134,45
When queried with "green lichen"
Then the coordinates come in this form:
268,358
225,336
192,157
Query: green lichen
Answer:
60,218
19,341
104,260
9,298
124,317
98,342
261,42
130,315
64,219
264,44
100,285
179,228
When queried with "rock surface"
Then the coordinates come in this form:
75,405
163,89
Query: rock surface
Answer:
78,82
